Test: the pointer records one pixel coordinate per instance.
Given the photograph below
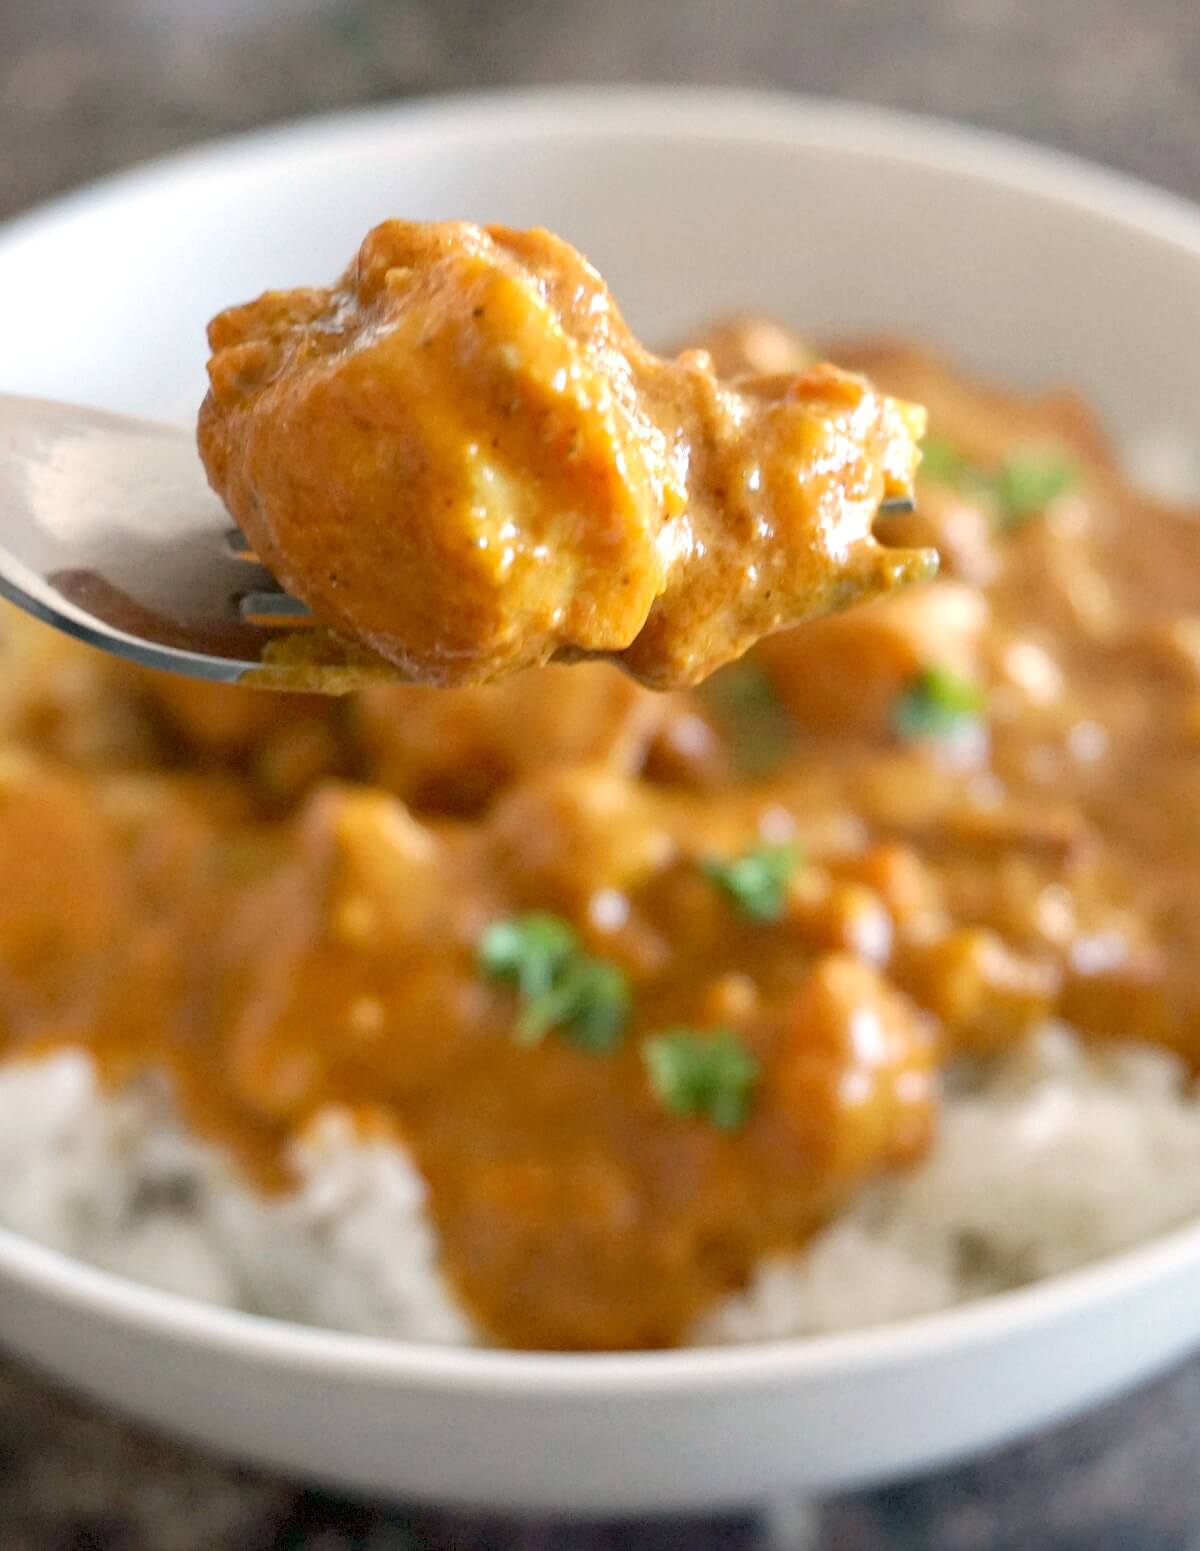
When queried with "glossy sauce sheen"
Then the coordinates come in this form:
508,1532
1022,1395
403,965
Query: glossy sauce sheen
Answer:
461,458
278,901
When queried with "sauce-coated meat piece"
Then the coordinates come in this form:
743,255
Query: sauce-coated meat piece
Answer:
461,457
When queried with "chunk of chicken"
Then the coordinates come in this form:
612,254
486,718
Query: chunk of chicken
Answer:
461,457
857,1075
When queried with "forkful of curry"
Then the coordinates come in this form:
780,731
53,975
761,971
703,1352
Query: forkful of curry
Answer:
456,463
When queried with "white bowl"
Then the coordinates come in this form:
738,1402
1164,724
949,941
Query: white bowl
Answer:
1026,265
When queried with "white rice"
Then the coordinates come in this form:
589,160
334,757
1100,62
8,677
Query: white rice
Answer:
117,1182
1050,1158
1058,1155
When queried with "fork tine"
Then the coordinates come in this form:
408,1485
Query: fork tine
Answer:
897,506
271,607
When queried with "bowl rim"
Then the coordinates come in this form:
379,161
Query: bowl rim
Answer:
661,112
667,111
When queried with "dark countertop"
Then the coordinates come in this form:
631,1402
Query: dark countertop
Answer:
88,87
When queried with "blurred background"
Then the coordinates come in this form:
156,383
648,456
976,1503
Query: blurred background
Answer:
87,86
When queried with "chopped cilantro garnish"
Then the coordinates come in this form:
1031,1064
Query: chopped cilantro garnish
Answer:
749,713
756,882
941,461
937,704
1029,481
528,950
709,1073
746,686
589,1003
561,987
1025,483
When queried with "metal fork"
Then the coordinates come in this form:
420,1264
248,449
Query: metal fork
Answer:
109,531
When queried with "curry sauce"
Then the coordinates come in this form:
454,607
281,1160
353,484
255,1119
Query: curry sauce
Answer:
648,984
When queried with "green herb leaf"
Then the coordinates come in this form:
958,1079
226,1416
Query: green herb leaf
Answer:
707,1073
589,1003
561,987
756,882
749,713
528,950
943,462
1029,481
1025,484
937,704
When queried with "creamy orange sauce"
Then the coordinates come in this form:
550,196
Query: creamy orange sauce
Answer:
279,900
462,458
